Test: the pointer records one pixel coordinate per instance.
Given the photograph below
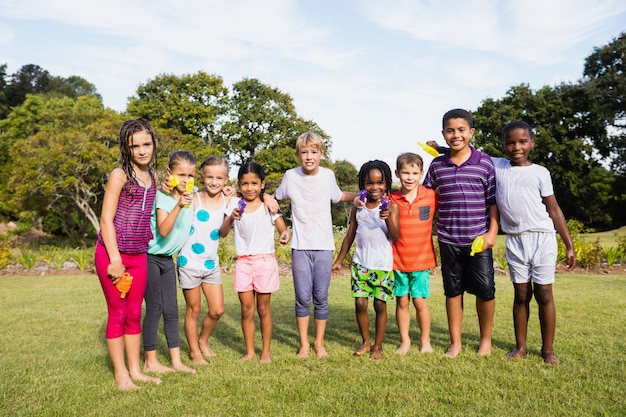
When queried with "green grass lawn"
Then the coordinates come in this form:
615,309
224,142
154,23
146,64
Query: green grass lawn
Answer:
54,362
607,239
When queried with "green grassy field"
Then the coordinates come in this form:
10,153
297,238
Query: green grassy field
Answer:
54,362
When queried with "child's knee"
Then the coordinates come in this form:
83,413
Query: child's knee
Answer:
216,313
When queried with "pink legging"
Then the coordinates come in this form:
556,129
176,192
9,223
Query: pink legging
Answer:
124,313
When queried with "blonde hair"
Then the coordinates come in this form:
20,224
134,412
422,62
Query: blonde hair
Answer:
409,158
310,139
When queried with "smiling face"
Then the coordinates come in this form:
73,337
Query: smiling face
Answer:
457,133
375,185
410,176
214,178
517,146
250,186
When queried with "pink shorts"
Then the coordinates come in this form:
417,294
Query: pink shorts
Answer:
256,272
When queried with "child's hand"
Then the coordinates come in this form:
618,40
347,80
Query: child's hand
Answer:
285,236
229,191
384,209
166,186
358,203
570,259
184,200
336,267
115,270
271,204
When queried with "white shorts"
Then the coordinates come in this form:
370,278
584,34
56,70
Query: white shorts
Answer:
192,278
532,257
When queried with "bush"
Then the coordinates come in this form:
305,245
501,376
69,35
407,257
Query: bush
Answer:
588,254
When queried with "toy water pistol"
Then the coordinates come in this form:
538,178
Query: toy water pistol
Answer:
123,285
174,181
189,188
242,206
384,203
429,149
477,245
363,196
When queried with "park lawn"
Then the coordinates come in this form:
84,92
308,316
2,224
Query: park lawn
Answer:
54,362
607,239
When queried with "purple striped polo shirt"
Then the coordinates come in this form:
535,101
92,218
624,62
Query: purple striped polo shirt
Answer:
465,193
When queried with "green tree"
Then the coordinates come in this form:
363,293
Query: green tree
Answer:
258,117
189,104
346,175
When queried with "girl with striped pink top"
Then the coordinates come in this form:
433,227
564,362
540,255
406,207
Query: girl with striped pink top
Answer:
122,245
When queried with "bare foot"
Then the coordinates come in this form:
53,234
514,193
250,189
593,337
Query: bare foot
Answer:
156,367
404,348
206,350
452,352
125,383
246,357
320,351
145,378
197,359
181,367
303,352
516,353
376,353
266,358
484,349
364,348
426,348
549,358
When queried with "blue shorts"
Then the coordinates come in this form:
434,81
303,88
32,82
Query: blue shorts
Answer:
462,272
417,284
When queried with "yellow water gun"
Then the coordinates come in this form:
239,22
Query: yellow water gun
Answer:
429,149
477,245
189,188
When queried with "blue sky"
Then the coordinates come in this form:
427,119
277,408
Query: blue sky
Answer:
376,75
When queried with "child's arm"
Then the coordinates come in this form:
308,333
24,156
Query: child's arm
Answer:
166,221
391,216
347,240
285,234
348,196
492,233
270,202
560,224
114,186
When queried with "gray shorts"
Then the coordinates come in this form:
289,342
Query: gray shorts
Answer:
192,278
532,256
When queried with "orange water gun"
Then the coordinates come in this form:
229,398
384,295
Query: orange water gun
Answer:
123,285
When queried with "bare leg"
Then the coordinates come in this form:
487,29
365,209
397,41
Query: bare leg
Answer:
423,321
521,312
362,319
132,344
318,343
403,317
303,332
177,363
486,310
381,327
152,364
123,380
247,323
192,313
454,310
263,301
214,294
547,320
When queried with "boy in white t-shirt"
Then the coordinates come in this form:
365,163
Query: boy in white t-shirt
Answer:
529,214
311,188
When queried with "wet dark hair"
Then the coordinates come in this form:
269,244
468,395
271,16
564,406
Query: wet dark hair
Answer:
128,129
371,165
252,168
517,124
457,114
181,156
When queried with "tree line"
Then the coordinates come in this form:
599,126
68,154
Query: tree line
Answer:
58,142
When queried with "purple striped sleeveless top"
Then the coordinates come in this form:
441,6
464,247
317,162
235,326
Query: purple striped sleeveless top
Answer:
132,218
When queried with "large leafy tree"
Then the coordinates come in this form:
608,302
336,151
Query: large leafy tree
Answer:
189,104
258,117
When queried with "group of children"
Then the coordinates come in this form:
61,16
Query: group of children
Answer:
141,231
